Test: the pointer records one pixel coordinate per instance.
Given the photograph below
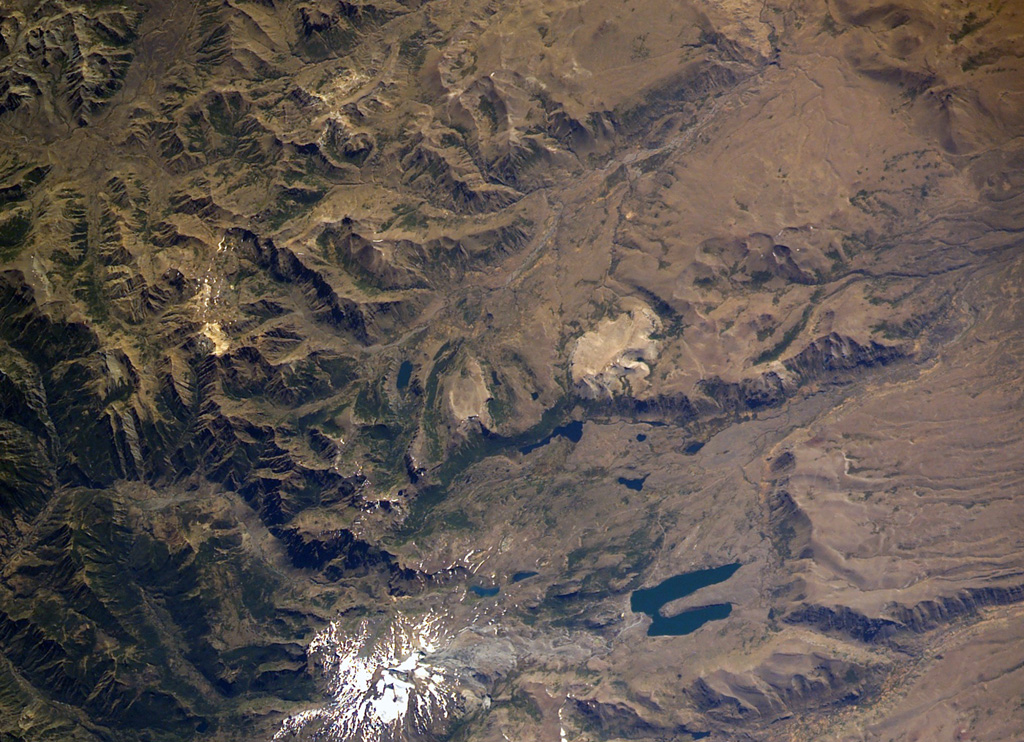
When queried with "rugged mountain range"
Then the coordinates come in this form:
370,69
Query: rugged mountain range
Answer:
318,316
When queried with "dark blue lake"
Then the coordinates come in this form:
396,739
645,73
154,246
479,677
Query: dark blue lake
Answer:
634,484
485,592
520,576
688,621
404,374
573,431
650,601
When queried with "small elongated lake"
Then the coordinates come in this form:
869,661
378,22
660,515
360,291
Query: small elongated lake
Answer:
650,601
404,374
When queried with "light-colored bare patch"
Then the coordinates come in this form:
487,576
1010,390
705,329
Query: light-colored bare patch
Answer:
468,395
214,333
614,357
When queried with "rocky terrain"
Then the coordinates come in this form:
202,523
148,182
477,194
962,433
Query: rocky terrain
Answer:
358,361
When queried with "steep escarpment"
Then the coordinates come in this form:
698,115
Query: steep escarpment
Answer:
113,427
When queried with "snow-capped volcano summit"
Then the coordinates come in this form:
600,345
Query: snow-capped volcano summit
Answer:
384,686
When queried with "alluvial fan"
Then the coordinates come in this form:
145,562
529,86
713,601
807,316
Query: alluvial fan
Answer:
383,686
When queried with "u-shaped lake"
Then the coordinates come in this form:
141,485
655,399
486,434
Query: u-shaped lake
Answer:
651,600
